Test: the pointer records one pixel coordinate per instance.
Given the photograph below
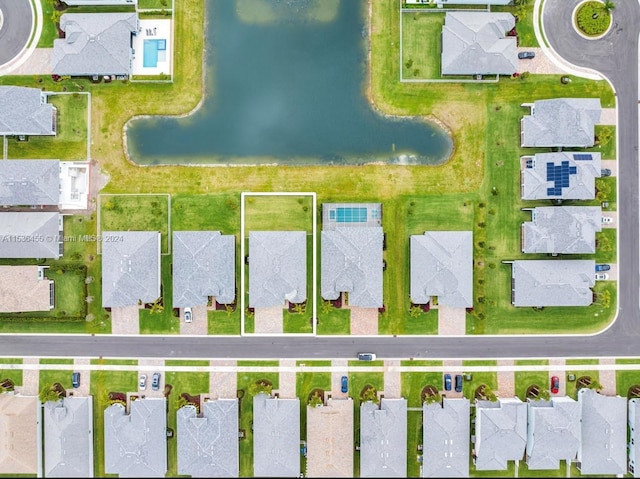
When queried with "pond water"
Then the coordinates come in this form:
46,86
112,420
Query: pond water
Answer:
286,91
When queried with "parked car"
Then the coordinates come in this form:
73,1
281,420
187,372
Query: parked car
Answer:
187,315
75,380
555,384
447,382
344,384
143,382
603,267
607,219
526,55
602,276
605,172
604,204
366,356
459,383
155,381
565,79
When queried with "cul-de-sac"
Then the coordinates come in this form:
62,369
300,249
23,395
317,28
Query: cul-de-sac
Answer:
319,238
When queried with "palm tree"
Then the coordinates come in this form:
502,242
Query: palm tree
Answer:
609,5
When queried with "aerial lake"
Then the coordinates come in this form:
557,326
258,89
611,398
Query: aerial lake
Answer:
286,84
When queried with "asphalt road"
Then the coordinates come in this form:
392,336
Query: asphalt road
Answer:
616,56
16,28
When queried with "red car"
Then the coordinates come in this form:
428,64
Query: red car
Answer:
555,384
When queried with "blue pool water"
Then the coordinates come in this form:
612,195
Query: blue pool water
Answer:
151,49
350,215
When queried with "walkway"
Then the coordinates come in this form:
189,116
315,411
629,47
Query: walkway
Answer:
223,384
287,379
506,379
392,379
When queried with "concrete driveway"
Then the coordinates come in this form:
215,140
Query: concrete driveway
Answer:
540,65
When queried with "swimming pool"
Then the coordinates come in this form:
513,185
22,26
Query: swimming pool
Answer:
349,215
154,51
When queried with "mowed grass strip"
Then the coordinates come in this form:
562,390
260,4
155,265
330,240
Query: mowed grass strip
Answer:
421,45
278,213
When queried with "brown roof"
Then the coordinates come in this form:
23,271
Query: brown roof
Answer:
18,434
21,290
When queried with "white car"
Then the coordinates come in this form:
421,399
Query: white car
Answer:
143,382
602,276
188,316
607,219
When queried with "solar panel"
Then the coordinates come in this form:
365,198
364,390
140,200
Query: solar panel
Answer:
551,191
582,157
573,170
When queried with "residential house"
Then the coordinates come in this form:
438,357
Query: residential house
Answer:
442,266
352,243
29,182
560,122
329,429
25,111
553,432
68,437
95,44
476,43
501,433
277,268
204,266
208,442
540,283
562,230
383,438
445,438
25,289
276,436
634,435
130,268
135,442
603,441
560,175
31,235
21,434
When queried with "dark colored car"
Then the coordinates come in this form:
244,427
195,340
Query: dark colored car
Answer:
366,356
75,380
526,55
155,382
344,384
603,267
459,383
555,384
605,172
447,382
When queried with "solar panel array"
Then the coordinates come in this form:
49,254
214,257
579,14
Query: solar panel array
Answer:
559,174
582,157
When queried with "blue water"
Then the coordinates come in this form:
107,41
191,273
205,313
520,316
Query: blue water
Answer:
351,215
293,92
150,59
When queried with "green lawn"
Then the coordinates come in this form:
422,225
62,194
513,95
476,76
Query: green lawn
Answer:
155,4
571,389
421,44
166,321
524,22
14,374
626,379
276,213
103,382
136,213
49,30
191,383
479,378
223,323
524,379
607,142
523,471
202,212
70,141
333,320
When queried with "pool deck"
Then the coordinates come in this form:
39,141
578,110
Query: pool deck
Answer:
152,29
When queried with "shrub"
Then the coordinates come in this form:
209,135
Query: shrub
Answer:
593,18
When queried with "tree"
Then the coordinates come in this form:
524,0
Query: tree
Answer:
609,5
315,400
415,311
436,398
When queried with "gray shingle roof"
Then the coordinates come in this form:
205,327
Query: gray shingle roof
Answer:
553,432
208,445
445,449
561,122
442,266
476,43
562,230
68,437
25,111
383,438
553,282
130,268
582,184
135,445
95,44
276,437
277,268
603,445
204,265
29,182
634,436
352,262
501,433
30,235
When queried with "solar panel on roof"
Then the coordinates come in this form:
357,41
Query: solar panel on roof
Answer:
550,191
573,170
582,157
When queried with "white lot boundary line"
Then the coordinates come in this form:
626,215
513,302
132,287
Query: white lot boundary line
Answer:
99,226
314,270
324,369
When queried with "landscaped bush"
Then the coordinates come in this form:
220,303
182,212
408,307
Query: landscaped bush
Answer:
593,18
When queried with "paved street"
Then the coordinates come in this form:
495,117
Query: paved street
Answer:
15,29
